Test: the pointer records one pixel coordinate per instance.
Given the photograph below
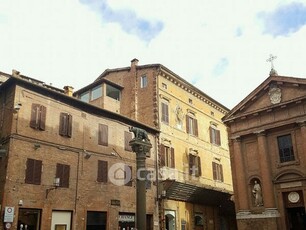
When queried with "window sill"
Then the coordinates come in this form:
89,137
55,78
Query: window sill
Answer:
288,163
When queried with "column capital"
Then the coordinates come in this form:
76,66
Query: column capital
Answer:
301,123
261,132
236,138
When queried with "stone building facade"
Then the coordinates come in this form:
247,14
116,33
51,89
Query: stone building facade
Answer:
195,183
66,164
267,137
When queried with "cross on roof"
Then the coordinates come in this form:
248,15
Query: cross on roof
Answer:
271,59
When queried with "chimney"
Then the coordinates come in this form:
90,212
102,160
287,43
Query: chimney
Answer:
134,62
68,90
15,73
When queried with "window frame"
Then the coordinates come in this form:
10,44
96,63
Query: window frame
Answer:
143,81
165,112
38,117
63,172
102,172
194,163
292,157
167,156
217,169
65,124
103,134
93,90
215,136
33,171
192,125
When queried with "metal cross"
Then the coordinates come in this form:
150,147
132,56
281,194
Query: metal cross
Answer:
271,59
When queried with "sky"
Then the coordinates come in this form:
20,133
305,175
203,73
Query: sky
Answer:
221,47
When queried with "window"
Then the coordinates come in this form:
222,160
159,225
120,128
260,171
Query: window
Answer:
96,220
217,171
198,219
63,172
65,128
103,135
38,117
164,86
96,92
102,171
214,135
128,176
194,165
165,112
127,138
167,156
112,92
33,171
143,81
285,148
191,125
85,96
190,101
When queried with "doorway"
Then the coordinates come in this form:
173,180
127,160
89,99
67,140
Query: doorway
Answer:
29,219
296,218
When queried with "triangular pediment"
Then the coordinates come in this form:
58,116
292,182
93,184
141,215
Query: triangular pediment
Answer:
275,91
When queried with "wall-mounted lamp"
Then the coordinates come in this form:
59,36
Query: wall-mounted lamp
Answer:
87,155
17,107
36,146
56,184
20,202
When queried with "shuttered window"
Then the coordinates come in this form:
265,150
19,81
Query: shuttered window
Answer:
195,165
191,125
103,135
167,156
65,128
102,171
38,117
33,171
214,136
217,171
165,113
127,138
63,172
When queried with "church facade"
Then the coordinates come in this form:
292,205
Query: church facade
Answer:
267,141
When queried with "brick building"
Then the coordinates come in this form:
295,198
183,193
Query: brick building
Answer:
195,183
267,136
61,161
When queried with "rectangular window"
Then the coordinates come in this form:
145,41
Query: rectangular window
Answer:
217,171
285,148
214,136
165,112
38,117
96,92
103,135
65,127
96,220
102,171
33,171
143,81
127,138
128,178
112,92
63,172
85,97
164,86
195,165
167,156
191,125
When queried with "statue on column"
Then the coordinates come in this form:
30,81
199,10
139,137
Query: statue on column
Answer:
140,134
257,194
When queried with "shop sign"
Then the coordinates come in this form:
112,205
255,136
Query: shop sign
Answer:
9,214
126,218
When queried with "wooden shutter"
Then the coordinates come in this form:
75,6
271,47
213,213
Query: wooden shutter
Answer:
195,123
63,172
43,112
162,155
211,134
102,171
63,124
127,138
214,168
221,172
165,113
69,125
218,139
33,171
187,124
191,164
34,116
199,166
172,158
103,135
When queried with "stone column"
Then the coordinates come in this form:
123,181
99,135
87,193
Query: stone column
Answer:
243,205
302,126
141,147
265,169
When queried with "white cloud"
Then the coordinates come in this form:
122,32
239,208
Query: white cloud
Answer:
67,43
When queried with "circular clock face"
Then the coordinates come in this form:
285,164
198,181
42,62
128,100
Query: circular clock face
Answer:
293,197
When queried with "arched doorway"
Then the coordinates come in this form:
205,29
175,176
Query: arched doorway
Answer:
170,220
